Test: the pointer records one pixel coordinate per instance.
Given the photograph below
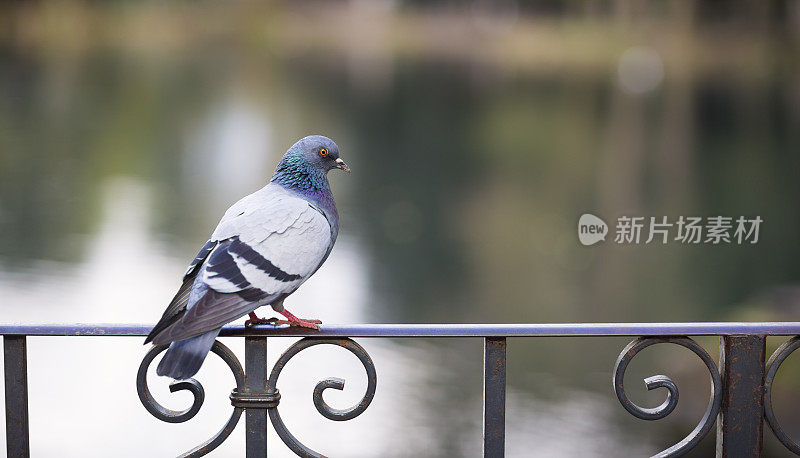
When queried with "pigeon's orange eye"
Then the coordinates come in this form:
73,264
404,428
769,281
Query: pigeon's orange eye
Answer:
323,152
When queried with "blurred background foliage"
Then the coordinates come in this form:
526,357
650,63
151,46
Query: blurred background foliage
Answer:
478,133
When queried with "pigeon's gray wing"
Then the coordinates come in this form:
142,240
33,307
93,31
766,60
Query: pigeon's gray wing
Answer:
269,244
178,304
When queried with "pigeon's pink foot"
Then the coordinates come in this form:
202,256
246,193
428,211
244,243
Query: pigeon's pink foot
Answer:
294,321
254,320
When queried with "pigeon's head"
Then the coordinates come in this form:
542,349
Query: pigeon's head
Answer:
318,152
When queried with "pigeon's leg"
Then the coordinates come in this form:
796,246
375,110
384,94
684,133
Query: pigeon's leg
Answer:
254,320
294,321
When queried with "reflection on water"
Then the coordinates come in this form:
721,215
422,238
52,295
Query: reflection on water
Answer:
468,178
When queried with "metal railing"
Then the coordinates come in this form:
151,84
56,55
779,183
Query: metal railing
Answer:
740,400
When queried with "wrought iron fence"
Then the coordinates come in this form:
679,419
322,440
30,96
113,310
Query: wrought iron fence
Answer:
740,400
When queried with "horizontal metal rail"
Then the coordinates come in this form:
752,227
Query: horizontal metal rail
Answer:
434,330
740,399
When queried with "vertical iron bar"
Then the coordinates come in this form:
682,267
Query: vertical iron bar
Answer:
494,397
16,374
255,367
741,417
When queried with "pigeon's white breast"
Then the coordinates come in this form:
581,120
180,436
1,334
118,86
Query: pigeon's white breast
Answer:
281,227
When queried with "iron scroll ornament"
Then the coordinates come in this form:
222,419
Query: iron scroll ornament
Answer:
241,399
662,381
192,385
774,363
336,383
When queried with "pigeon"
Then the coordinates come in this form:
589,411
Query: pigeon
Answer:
265,247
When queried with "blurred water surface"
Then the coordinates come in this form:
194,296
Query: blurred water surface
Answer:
476,138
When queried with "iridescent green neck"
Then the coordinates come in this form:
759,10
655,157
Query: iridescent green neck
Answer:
294,172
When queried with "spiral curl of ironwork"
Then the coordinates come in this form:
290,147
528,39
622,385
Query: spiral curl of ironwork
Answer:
662,381
193,386
335,383
773,364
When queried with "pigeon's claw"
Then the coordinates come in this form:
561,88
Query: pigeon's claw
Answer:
303,323
310,324
291,320
254,320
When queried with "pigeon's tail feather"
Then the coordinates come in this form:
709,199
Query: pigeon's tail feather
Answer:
184,357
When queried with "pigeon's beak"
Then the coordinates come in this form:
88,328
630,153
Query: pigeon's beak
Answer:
341,165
